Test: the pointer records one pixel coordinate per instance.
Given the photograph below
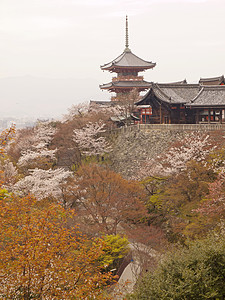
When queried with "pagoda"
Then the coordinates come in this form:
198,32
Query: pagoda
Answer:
127,65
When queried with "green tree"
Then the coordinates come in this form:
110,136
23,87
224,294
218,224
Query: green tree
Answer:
193,272
115,248
178,198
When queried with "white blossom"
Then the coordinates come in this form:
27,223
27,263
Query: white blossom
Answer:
43,183
9,169
38,144
44,133
194,146
29,155
9,172
40,137
90,141
78,109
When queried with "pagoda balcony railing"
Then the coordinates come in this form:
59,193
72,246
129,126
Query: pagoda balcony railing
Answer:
127,78
118,98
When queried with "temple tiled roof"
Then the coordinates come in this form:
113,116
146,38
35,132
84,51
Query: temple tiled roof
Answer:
176,82
128,60
212,81
209,96
179,93
188,94
172,93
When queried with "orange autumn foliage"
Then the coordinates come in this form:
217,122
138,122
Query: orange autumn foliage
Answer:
104,199
5,136
42,257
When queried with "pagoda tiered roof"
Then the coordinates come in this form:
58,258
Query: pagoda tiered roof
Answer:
128,60
126,84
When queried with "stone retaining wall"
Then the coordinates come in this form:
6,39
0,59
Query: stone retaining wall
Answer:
134,144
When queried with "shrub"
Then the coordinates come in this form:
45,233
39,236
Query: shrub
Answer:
194,272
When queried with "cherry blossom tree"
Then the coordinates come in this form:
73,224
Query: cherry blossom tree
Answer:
5,137
214,205
10,172
38,146
35,165
122,107
126,105
104,199
35,137
43,183
79,109
194,146
90,141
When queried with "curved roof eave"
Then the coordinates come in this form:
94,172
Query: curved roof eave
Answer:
128,59
126,84
219,78
167,93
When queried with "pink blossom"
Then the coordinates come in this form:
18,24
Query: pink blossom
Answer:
90,141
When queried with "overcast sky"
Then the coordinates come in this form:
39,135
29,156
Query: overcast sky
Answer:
67,40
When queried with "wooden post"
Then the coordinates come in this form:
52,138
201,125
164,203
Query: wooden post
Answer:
209,116
160,113
197,116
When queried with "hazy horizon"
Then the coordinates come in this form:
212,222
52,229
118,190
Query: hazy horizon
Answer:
51,51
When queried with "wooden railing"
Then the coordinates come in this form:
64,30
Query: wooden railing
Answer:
128,78
191,127
175,127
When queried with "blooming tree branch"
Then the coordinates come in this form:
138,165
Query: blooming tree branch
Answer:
38,146
194,146
43,183
90,141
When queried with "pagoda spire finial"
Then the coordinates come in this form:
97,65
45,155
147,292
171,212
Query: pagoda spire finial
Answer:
127,42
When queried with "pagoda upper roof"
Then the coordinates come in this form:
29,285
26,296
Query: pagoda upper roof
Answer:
212,81
128,60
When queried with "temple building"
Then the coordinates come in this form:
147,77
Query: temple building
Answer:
168,103
182,104
126,66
